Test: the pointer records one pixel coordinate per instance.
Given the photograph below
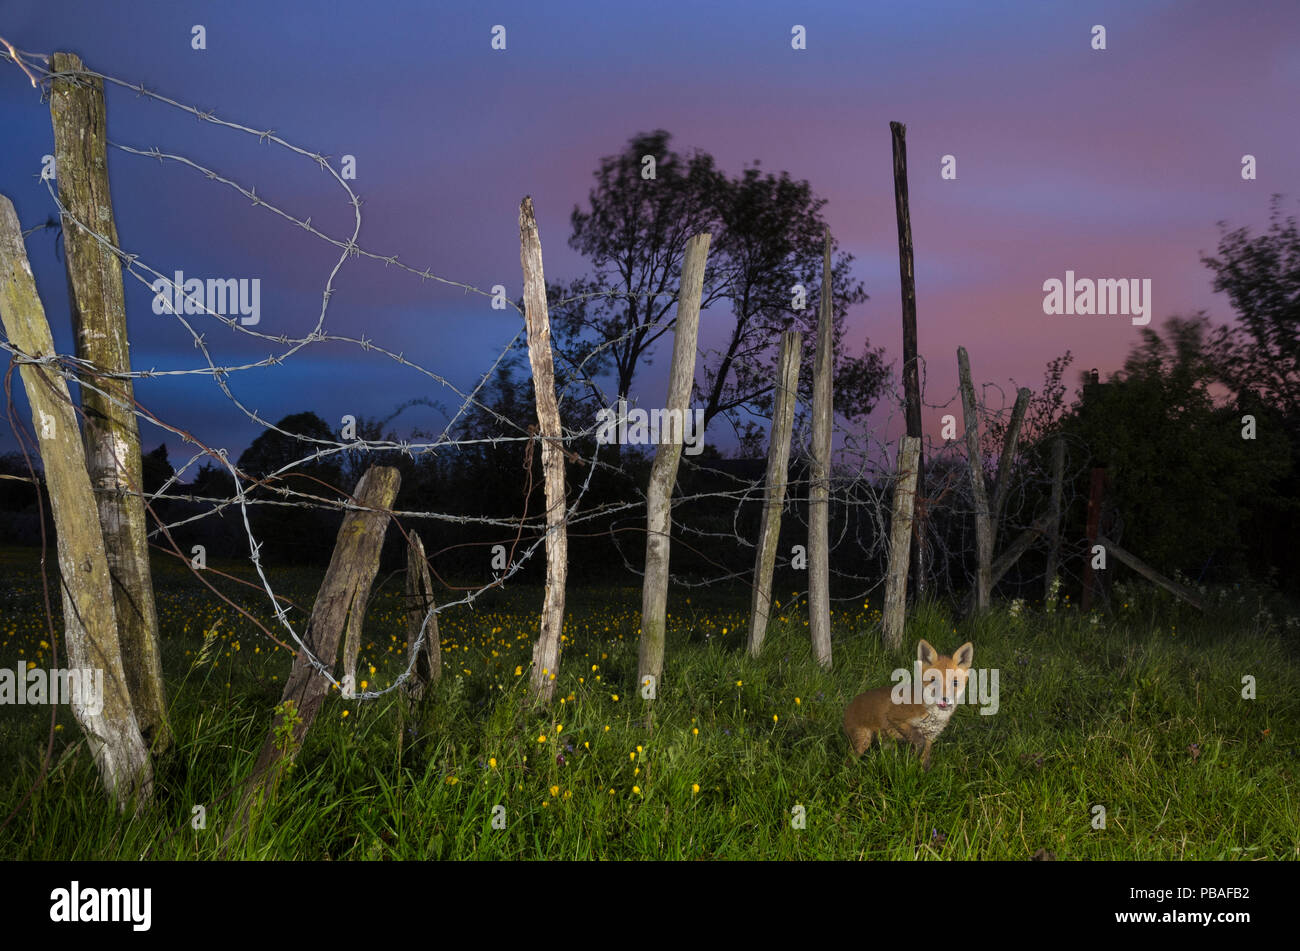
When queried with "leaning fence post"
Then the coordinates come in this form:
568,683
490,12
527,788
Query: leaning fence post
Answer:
546,652
1146,571
900,538
663,472
819,490
89,617
343,594
111,435
1003,484
778,462
983,528
424,656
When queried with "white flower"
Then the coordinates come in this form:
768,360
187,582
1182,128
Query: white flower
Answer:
1050,605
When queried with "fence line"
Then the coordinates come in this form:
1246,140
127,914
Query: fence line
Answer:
859,481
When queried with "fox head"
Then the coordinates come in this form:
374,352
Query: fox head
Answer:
944,677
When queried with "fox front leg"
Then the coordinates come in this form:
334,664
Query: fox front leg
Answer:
921,743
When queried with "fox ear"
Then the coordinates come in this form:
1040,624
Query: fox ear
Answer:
963,655
924,652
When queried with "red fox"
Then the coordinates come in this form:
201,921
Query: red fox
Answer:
876,712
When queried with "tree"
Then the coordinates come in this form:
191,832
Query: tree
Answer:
1047,408
157,469
1183,481
1258,358
213,481
770,240
1260,354
274,451
635,235
767,238
294,532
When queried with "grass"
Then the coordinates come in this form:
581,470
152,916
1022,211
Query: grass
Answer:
1141,713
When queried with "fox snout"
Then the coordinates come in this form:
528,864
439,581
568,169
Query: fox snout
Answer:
943,688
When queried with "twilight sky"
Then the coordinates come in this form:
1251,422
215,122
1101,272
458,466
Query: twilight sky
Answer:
1113,164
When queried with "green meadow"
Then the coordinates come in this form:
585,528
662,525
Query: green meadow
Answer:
1123,735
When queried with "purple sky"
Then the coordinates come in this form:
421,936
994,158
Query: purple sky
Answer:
1112,164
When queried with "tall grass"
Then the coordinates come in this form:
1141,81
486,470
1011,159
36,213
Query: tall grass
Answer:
1141,714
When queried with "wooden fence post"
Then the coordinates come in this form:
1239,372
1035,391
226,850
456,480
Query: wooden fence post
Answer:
1003,484
911,358
663,472
546,652
819,490
900,536
1054,516
352,648
111,435
1043,526
427,656
1146,571
342,595
778,462
89,617
983,528
1001,487
1096,493
1011,554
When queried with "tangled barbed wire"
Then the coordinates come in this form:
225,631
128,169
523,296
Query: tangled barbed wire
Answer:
863,474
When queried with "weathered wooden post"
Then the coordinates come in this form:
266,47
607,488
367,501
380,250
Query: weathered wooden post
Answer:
1096,493
546,652
426,654
1042,526
911,359
111,435
1003,484
343,594
352,649
1054,516
778,462
89,617
1146,571
983,528
900,537
663,472
819,490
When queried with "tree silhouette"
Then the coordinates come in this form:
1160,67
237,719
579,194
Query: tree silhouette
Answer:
1184,482
770,239
635,235
1260,355
767,237
274,451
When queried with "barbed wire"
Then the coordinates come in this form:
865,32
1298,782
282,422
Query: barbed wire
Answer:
863,472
